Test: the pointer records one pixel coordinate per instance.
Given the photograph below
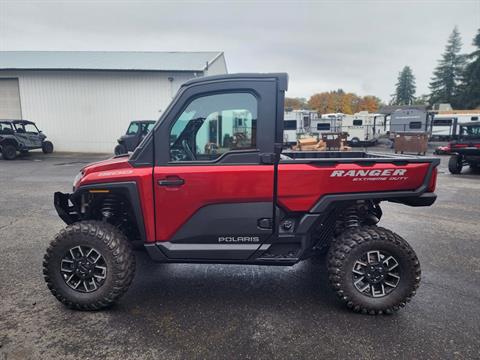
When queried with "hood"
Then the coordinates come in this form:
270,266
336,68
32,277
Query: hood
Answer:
115,163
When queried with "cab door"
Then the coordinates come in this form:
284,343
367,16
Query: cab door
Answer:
214,175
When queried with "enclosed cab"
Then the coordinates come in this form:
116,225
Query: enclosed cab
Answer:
210,184
136,131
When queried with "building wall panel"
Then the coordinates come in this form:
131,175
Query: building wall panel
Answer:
86,111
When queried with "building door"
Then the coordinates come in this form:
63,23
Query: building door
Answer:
10,99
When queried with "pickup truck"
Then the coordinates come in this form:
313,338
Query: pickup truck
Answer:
210,184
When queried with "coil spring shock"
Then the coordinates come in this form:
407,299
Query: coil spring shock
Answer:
352,220
111,207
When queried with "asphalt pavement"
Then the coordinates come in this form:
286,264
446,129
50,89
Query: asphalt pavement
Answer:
180,311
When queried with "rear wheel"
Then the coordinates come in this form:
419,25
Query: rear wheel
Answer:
455,164
47,147
120,149
89,265
373,270
9,152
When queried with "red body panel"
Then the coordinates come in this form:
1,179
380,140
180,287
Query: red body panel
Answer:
300,186
206,185
120,170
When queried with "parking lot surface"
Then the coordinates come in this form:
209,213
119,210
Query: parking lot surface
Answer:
180,311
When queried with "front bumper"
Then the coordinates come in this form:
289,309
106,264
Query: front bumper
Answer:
68,213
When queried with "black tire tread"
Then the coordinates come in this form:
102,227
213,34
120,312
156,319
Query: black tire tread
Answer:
453,165
121,250
345,243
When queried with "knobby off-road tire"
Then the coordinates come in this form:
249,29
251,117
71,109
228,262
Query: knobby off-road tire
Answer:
112,272
455,164
349,251
9,152
47,147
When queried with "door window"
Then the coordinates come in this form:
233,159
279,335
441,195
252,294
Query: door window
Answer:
213,125
133,129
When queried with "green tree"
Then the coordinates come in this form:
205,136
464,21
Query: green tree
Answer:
422,100
446,76
470,87
405,88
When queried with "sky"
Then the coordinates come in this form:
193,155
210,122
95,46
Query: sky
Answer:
359,46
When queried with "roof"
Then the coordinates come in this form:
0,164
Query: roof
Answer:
471,123
25,122
391,108
107,60
460,112
282,78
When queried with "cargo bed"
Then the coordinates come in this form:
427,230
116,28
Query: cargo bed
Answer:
352,157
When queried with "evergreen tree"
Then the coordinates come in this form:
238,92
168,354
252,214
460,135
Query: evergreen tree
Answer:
447,74
470,87
405,88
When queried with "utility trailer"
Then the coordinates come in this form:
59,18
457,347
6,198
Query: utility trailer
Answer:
246,203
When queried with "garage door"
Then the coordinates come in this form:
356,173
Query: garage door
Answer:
10,99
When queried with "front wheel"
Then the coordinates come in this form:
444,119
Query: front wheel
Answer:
47,147
455,164
373,270
89,265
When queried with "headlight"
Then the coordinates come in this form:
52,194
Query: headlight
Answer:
77,179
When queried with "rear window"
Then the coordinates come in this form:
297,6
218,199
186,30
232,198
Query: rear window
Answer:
357,122
415,125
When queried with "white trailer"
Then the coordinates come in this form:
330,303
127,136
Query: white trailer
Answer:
444,122
364,128
327,123
297,123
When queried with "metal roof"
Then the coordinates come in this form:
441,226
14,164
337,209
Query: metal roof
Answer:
107,60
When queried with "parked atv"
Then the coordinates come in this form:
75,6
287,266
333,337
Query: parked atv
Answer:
466,149
135,133
21,136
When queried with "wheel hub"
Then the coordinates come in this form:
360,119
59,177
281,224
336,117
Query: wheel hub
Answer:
83,268
376,273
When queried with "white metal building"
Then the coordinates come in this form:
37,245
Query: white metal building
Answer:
83,101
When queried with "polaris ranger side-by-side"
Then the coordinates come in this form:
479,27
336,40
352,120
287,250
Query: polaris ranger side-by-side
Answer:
209,185
22,136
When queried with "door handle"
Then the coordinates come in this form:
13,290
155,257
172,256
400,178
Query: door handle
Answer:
171,181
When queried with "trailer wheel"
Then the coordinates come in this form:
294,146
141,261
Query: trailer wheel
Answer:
373,270
455,164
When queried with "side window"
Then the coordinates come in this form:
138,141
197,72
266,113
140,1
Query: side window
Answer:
323,126
357,122
133,129
30,129
213,125
290,125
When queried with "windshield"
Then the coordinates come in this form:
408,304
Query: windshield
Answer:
472,131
